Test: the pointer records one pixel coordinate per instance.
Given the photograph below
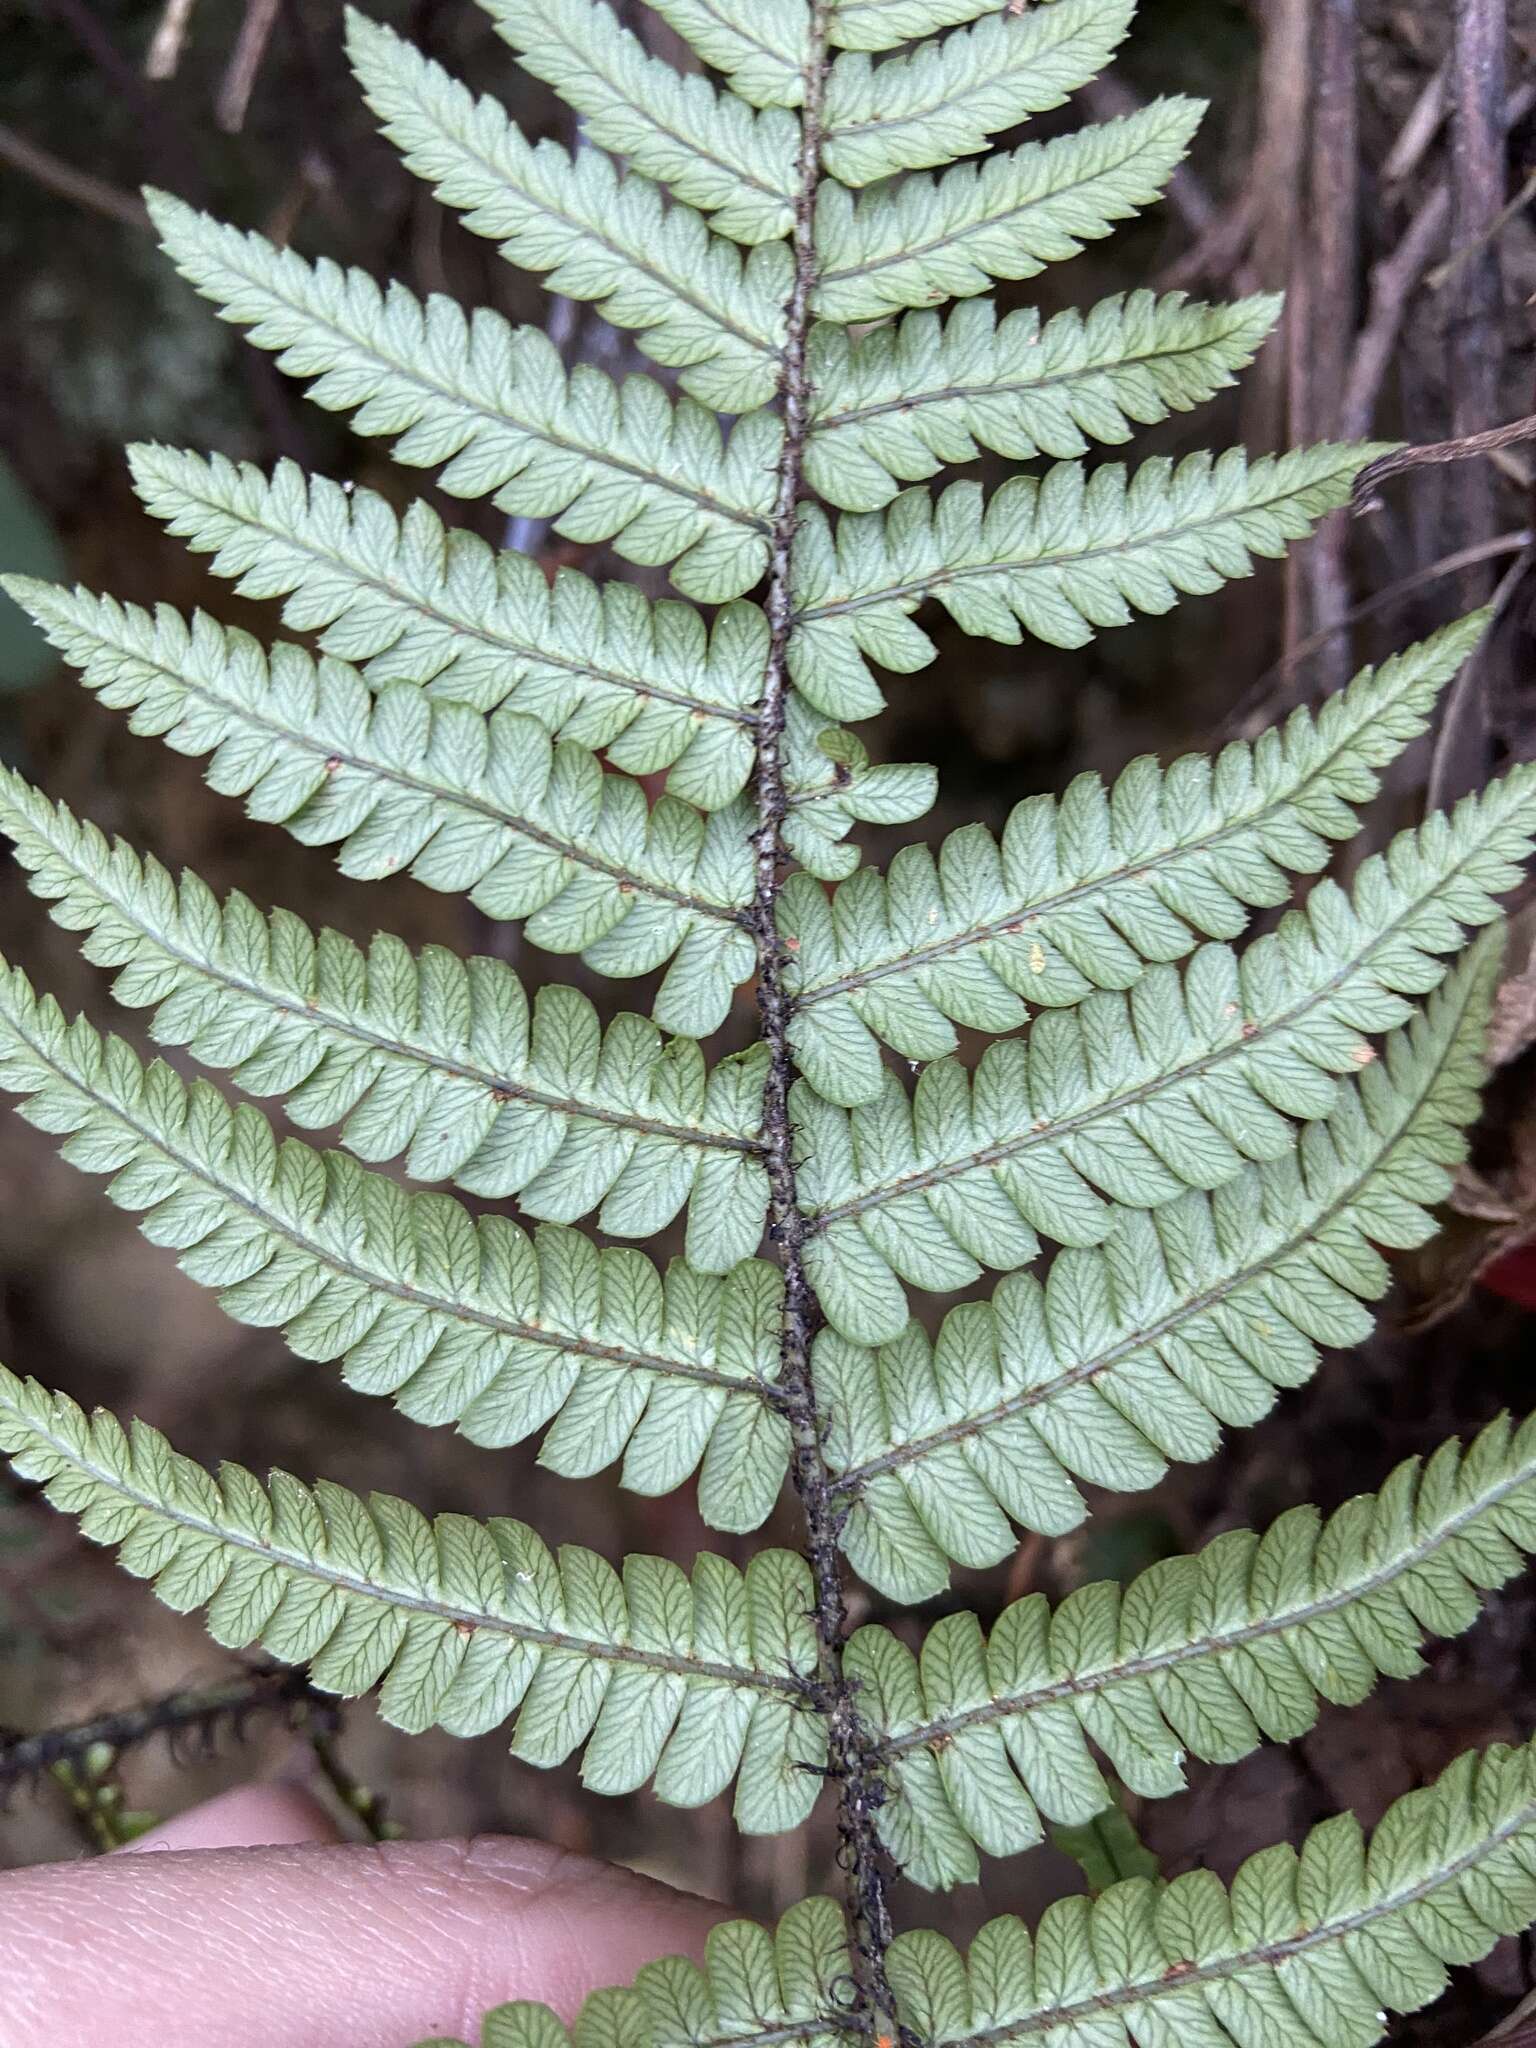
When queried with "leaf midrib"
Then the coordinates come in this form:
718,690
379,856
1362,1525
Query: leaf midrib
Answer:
920,587
452,1310
1300,1616
364,1588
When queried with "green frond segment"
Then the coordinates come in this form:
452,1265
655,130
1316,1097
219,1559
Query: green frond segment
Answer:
695,301
762,46
706,146
461,1624
412,600
1083,890
1054,557
885,24
1312,1947
1204,1656
945,100
526,828
788,1986
913,395
833,785
462,1319
924,239
428,1058
1134,1355
1107,1849
1131,1099
622,462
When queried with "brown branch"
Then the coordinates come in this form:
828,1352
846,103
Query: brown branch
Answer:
199,1715
1436,455
1479,90
1322,366
853,1761
1254,711
1393,283
51,171
170,35
245,63
1459,760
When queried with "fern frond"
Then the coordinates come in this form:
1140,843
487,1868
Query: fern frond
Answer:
649,266
1055,557
901,402
947,99
1138,1097
606,461
1080,892
429,1058
488,806
462,1624
1127,1358
1204,1656
923,240
1303,1947
412,600
707,146
462,1319
762,46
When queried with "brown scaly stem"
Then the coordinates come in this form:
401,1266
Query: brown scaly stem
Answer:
852,1759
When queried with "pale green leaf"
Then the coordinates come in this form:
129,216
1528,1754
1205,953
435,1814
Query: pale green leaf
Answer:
1212,1654
461,1624
898,404
763,46
442,1062
1136,1097
1081,891
1129,1357
1055,558
398,781
460,1318
947,99
924,240
695,303
707,146
620,462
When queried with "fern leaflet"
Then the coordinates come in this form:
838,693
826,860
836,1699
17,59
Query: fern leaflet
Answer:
460,1318
692,300
1055,558
1080,893
1132,1355
947,99
608,461
461,1623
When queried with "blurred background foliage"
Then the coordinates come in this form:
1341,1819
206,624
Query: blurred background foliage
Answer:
1360,152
